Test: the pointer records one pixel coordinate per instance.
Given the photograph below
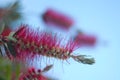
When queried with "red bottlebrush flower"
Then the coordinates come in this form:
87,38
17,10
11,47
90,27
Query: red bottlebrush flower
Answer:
85,40
57,19
32,74
26,43
31,43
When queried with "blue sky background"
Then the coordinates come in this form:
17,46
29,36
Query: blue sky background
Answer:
99,17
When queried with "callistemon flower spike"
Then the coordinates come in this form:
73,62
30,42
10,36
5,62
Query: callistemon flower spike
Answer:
35,74
85,40
28,43
43,44
55,18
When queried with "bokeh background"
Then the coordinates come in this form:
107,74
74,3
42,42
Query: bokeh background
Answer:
99,17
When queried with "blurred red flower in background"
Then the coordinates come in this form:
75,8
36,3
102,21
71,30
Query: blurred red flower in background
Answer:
55,18
85,40
31,74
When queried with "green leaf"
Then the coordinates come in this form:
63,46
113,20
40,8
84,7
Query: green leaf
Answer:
8,69
83,59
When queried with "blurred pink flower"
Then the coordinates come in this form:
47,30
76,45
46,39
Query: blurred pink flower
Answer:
57,19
